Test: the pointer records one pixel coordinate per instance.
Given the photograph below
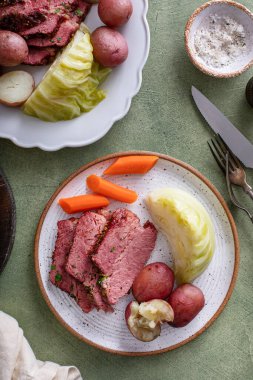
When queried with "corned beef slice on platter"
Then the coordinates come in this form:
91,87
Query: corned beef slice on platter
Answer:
4,3
43,23
58,275
23,15
40,56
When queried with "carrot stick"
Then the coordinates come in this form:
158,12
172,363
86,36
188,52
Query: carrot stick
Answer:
82,203
109,189
132,165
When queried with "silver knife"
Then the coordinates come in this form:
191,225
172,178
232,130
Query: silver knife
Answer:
236,141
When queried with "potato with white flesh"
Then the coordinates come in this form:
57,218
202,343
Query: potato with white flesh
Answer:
144,320
188,228
15,88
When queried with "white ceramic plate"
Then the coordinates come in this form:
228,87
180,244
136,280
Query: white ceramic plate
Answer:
109,331
123,83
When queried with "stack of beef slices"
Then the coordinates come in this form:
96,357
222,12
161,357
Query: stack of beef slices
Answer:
47,25
98,256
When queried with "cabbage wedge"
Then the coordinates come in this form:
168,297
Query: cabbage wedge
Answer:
70,86
188,228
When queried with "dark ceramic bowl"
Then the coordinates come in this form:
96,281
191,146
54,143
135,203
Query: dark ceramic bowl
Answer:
7,220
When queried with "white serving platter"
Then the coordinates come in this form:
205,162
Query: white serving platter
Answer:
122,84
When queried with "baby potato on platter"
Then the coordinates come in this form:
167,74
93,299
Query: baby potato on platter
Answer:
13,48
110,48
115,13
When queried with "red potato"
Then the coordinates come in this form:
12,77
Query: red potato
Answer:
13,49
110,48
186,301
144,320
115,13
156,280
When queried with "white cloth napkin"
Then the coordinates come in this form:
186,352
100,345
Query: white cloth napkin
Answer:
18,362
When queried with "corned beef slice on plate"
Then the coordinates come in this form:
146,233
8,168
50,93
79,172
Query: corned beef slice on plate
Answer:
58,274
120,229
123,252
131,263
88,233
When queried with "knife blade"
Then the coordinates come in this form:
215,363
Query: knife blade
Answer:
236,141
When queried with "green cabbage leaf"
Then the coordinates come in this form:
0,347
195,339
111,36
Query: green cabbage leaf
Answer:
188,228
70,86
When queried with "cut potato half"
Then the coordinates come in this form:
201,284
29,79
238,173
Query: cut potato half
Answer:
15,88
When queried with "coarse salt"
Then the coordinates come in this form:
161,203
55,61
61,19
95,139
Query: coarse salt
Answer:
220,40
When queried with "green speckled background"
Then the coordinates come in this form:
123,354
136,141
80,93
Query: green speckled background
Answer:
162,118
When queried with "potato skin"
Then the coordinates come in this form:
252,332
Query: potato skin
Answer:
155,281
13,48
186,301
109,47
115,13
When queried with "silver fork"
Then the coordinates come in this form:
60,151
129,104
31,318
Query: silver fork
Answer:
237,175
231,193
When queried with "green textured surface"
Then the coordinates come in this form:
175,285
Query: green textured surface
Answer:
162,118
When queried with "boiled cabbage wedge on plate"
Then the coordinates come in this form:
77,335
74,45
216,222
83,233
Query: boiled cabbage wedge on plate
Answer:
70,86
188,228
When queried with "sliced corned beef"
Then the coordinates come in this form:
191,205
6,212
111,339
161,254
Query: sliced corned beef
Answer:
38,57
81,11
21,16
120,231
5,3
60,38
46,27
132,260
89,230
58,274
88,233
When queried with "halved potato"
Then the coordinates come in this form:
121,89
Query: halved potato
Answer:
15,88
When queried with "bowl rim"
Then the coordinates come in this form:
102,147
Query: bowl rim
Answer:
191,54
185,166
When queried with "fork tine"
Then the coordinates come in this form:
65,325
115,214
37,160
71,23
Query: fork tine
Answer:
232,157
217,157
224,148
221,148
221,154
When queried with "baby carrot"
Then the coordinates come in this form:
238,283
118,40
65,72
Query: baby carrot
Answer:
82,203
109,189
132,165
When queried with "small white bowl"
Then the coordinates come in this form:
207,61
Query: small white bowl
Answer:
234,10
